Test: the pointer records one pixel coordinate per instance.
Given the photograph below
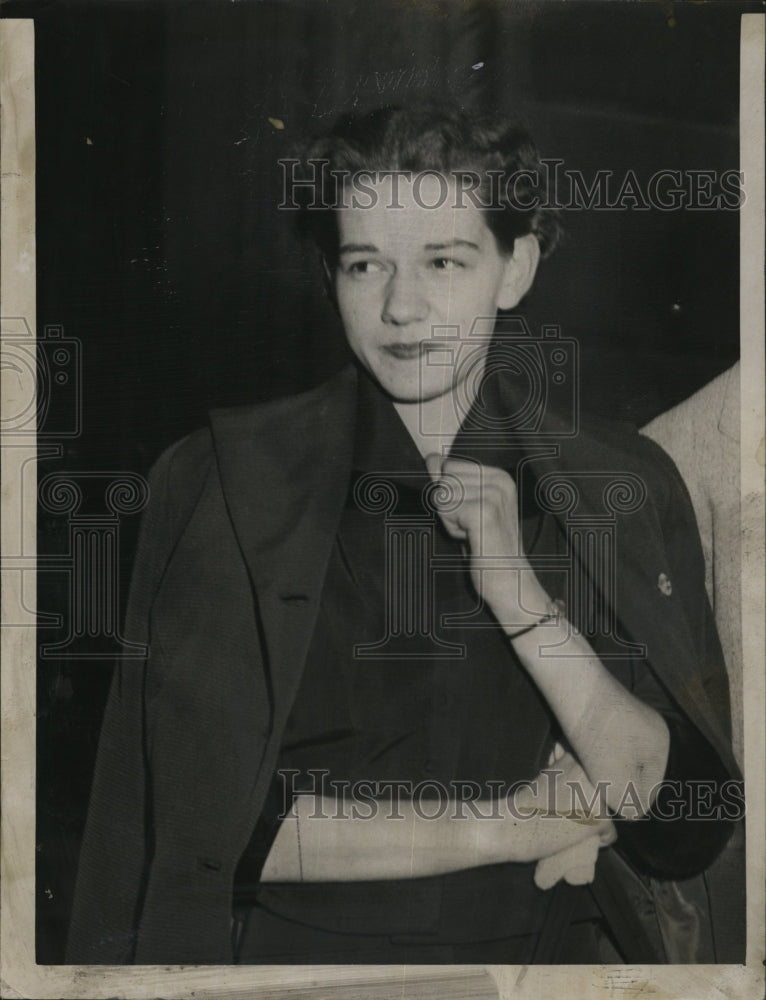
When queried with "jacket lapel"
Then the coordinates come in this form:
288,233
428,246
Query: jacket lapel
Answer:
285,470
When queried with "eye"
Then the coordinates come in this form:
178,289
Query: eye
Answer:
446,264
361,268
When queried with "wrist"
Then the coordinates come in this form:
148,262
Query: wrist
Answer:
551,617
515,597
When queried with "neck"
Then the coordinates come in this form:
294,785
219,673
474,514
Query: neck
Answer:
433,424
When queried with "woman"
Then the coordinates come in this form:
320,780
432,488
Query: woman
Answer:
417,583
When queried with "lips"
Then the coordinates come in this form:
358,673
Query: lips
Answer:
408,352
404,352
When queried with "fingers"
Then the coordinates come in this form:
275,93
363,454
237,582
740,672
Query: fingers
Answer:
582,867
434,466
576,865
479,506
471,474
486,510
461,520
607,834
450,518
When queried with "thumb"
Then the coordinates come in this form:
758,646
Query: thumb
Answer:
434,465
449,518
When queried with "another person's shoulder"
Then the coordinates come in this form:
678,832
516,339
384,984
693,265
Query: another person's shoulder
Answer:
711,411
702,435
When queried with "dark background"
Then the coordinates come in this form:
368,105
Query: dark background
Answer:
161,249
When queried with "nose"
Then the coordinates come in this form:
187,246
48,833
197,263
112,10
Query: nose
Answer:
404,301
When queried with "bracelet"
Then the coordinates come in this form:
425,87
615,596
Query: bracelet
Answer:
557,609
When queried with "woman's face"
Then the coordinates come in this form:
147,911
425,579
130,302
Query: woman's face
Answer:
414,283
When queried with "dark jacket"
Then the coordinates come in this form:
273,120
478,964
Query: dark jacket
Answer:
232,555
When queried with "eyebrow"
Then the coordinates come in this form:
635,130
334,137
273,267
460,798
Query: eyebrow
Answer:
358,248
371,248
452,244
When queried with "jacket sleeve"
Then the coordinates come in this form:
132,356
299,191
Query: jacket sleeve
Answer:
682,543
115,849
701,798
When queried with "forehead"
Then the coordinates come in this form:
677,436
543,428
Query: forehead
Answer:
409,212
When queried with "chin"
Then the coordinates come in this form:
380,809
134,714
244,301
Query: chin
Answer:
408,394
411,389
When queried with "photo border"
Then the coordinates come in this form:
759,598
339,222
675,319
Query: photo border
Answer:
22,977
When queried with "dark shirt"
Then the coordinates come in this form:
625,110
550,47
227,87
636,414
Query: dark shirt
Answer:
395,689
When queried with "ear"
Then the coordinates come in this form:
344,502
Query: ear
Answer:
520,271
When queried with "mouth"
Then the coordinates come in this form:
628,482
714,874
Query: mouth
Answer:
408,352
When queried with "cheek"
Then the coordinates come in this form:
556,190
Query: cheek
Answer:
476,294
346,305
488,289
358,310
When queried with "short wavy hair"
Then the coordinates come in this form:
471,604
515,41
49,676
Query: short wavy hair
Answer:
430,138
